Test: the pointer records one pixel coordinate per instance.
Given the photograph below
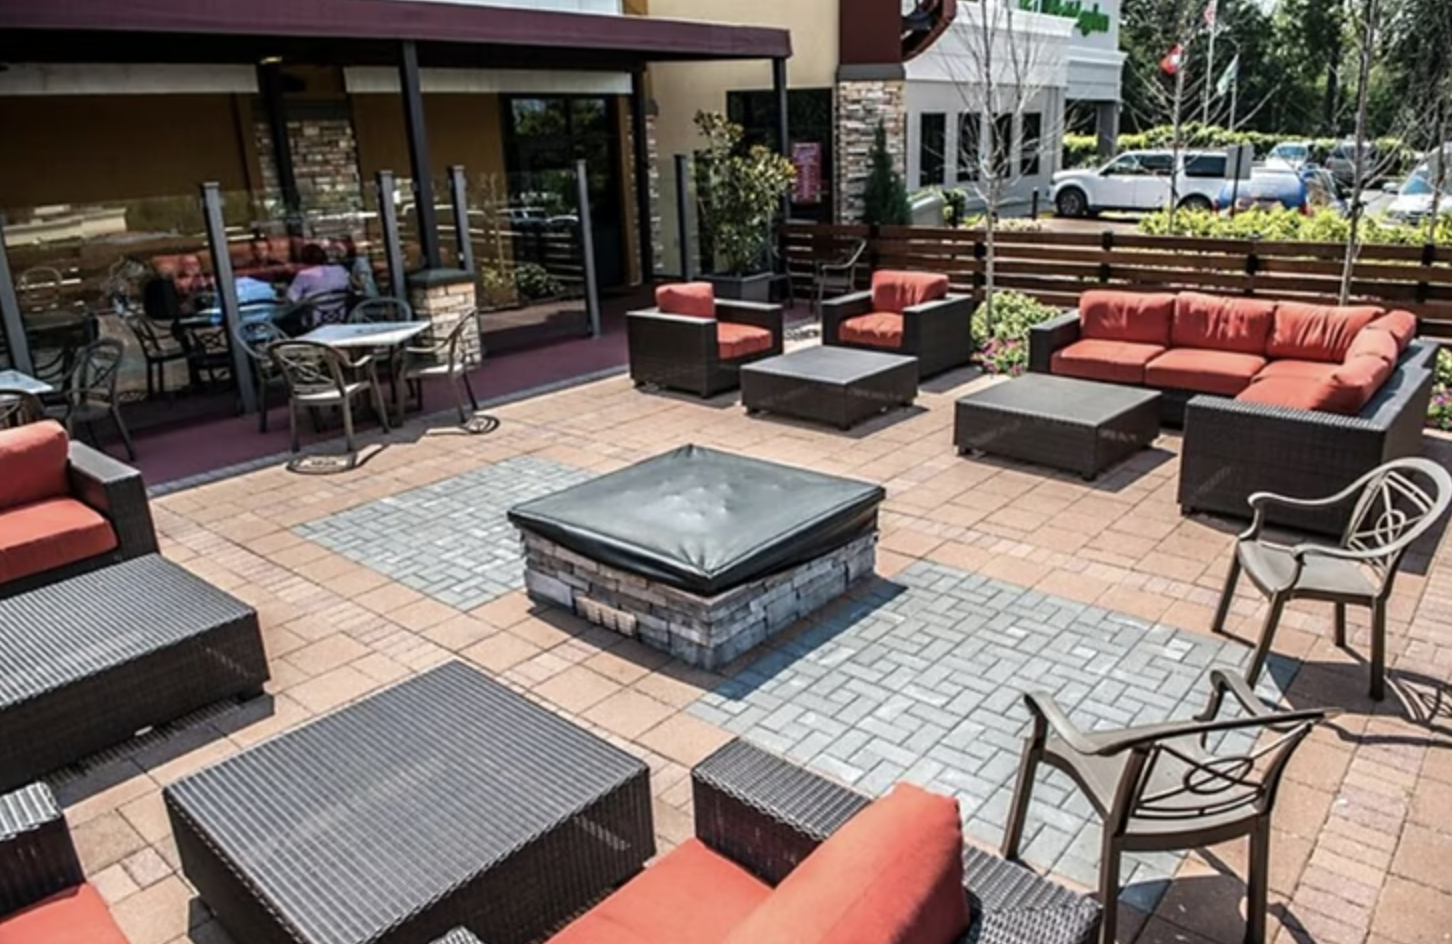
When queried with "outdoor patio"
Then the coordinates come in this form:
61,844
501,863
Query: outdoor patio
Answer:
994,578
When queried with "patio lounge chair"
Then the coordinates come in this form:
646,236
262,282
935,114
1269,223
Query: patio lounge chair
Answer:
1159,787
1392,509
695,342
908,313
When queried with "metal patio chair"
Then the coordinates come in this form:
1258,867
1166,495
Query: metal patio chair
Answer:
256,339
90,392
1392,510
837,276
18,407
320,376
156,349
382,309
450,359
1165,787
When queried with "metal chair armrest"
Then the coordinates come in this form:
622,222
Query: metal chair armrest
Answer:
1047,712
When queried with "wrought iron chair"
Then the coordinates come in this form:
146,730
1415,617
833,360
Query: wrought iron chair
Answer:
158,350
325,308
256,338
18,407
451,359
320,376
1391,511
90,392
374,310
838,276
1164,787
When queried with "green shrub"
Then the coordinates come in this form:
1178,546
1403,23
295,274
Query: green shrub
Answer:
1282,225
1080,150
1439,413
535,282
1004,348
885,198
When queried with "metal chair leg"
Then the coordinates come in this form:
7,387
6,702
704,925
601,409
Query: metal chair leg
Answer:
125,433
1223,609
1267,636
1341,625
1256,882
292,420
469,388
1109,855
1378,650
1023,788
348,423
457,384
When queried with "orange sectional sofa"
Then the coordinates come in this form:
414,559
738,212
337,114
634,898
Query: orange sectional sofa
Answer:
65,508
1279,396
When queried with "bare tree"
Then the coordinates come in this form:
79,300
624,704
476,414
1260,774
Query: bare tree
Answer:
1003,63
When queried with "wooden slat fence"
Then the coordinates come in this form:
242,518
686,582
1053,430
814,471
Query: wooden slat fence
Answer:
1057,267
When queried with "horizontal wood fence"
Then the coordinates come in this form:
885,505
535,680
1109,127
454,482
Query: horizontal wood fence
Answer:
1057,267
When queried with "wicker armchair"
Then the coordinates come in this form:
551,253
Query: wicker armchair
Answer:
904,313
695,342
37,857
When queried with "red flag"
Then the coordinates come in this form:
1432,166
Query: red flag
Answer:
1173,60
1210,12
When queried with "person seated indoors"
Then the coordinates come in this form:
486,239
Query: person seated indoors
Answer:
318,276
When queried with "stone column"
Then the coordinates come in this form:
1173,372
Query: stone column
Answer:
861,104
444,296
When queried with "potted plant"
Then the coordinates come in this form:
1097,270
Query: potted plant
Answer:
738,193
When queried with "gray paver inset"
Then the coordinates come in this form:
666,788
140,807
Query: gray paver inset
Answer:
449,540
922,681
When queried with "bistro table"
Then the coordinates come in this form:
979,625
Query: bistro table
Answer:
16,385
13,381
390,336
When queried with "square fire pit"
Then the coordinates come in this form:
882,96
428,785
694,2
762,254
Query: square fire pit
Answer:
700,553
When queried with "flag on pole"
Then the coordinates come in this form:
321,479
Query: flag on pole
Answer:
1229,77
1211,9
1174,60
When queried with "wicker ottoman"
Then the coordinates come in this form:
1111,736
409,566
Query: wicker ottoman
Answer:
1074,425
838,386
444,802
88,662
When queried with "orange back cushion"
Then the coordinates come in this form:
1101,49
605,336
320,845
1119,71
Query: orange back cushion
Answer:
893,291
1217,323
1317,332
75,916
1374,343
33,463
694,299
1126,316
1357,380
1401,325
892,875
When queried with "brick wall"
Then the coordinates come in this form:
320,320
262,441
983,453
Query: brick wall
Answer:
325,162
860,105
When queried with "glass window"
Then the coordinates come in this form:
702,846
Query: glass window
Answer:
1126,165
932,141
1158,164
1205,165
1033,130
1002,146
809,122
970,134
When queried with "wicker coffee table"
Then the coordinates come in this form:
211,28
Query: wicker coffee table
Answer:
1075,425
838,386
446,801
89,661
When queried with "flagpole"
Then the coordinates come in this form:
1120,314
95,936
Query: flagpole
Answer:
1234,91
1211,16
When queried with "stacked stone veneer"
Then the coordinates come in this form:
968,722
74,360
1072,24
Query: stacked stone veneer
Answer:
324,160
707,632
444,297
860,106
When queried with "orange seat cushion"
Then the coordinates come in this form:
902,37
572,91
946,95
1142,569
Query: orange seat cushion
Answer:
1296,370
48,534
692,896
1292,392
694,299
1108,361
74,916
33,463
1317,332
1126,316
1222,372
895,291
737,340
878,329
1401,325
892,875
1217,323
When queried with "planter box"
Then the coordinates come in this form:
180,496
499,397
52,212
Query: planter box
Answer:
743,288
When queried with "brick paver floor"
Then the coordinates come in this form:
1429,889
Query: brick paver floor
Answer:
361,579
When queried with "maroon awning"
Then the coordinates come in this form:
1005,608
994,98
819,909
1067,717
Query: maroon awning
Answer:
642,38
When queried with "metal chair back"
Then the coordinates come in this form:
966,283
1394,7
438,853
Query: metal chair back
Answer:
93,378
257,337
327,307
1397,504
39,288
18,407
374,310
309,368
144,330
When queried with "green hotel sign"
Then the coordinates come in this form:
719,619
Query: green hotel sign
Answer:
1089,20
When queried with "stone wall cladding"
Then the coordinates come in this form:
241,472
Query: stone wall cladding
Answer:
707,632
860,105
324,160
445,305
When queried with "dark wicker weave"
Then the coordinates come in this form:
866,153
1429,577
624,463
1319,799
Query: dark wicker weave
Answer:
680,352
939,334
458,936
1066,424
832,385
767,815
117,492
89,662
446,801
37,857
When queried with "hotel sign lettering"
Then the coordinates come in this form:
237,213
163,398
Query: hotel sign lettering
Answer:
1089,19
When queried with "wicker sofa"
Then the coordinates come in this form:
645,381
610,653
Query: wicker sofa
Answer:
65,509
44,895
908,313
695,342
1274,396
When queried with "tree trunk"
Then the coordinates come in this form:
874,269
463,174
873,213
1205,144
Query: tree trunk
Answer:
1358,165
1333,85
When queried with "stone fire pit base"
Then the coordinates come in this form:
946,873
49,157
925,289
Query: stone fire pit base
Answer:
706,632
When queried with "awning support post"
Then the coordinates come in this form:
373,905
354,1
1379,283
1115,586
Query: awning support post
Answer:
418,155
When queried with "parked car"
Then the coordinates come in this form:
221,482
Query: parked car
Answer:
1341,162
1306,190
1414,199
1290,155
1140,180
